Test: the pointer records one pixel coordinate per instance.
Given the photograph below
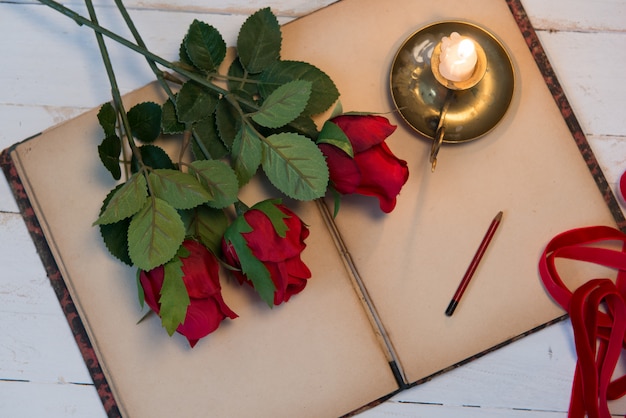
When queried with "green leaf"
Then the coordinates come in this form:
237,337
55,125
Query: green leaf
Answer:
109,151
126,201
169,120
107,118
323,93
251,266
183,252
284,104
195,102
303,125
259,41
180,190
174,298
337,110
333,135
218,179
152,156
227,121
295,166
145,121
205,46
182,54
115,235
274,214
207,143
241,82
208,225
247,154
141,296
154,234
359,113
336,200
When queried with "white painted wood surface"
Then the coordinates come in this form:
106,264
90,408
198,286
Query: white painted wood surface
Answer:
50,71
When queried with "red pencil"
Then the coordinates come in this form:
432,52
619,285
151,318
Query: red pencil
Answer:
472,267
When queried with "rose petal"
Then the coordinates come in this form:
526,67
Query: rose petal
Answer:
151,282
290,278
278,272
203,317
383,175
299,273
266,244
342,169
200,271
364,131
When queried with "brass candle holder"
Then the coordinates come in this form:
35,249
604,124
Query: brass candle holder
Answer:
448,111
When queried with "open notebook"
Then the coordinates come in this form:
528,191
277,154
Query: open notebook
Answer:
320,354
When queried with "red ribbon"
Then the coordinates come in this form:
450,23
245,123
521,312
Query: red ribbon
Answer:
597,310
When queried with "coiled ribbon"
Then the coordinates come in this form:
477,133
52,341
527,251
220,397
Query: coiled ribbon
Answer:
597,310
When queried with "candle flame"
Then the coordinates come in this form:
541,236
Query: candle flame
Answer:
466,48
458,57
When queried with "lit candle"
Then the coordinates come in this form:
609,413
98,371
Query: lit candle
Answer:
458,57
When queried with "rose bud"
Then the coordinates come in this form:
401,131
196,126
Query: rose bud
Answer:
374,170
207,308
280,255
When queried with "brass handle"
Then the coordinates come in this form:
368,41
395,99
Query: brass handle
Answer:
441,131
434,150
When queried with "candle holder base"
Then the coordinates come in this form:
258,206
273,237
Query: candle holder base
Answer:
471,109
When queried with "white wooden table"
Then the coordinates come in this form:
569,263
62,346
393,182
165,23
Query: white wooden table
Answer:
50,71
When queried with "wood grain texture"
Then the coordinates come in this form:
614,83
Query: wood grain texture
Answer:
50,72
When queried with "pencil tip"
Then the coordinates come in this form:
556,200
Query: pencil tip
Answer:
499,216
451,307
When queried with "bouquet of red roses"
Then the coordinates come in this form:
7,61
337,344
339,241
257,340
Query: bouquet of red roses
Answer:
179,221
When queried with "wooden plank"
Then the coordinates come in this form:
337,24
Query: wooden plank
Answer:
577,15
598,15
611,153
36,343
290,8
24,287
393,409
586,65
7,203
74,75
50,400
39,348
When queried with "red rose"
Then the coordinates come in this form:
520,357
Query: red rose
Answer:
374,170
279,255
201,277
